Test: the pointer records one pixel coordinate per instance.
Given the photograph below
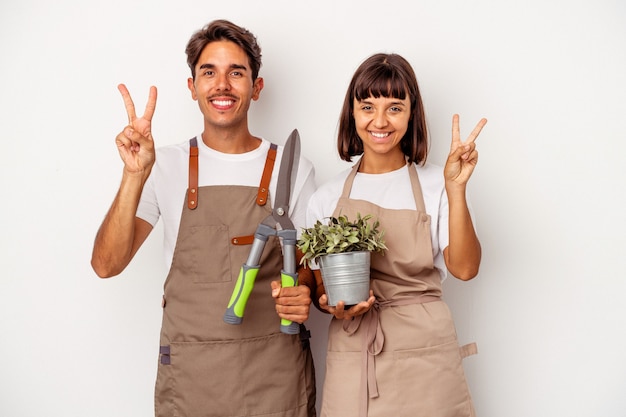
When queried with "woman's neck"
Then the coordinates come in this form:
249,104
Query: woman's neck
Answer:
379,164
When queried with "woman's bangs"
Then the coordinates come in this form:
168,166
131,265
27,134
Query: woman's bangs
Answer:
382,84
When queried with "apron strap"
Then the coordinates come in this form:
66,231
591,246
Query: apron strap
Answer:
192,191
261,198
417,189
347,186
467,350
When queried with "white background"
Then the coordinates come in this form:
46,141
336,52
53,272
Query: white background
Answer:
548,309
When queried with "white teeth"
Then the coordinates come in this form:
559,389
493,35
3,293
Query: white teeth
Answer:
222,102
379,135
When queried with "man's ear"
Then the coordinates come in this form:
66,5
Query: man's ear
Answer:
192,88
256,88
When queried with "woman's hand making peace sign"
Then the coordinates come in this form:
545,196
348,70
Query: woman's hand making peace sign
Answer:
463,155
135,143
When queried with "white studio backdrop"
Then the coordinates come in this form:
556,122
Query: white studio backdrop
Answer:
547,309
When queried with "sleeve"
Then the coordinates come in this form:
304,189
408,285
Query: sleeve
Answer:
443,234
324,201
148,208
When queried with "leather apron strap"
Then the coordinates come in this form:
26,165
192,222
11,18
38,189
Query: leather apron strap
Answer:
267,175
192,192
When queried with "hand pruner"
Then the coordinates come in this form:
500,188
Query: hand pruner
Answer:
278,224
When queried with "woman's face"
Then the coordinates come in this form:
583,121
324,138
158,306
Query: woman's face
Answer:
381,123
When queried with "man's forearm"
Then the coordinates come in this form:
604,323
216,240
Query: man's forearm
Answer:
116,241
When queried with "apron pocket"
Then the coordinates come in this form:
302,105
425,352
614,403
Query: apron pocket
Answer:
436,375
275,377
207,265
261,376
341,386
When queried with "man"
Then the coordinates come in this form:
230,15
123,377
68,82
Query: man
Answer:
206,366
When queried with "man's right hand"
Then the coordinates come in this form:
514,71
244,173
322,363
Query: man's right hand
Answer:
122,233
135,143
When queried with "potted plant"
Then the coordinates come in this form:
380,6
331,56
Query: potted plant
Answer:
342,248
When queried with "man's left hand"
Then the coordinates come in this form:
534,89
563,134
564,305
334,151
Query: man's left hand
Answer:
292,303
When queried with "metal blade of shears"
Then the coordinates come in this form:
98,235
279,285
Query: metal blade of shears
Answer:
287,177
284,192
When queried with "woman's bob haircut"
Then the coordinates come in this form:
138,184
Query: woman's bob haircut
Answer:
390,76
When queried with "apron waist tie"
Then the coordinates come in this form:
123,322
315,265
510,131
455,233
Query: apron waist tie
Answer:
373,342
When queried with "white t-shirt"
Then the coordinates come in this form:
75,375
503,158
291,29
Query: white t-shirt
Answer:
391,190
164,192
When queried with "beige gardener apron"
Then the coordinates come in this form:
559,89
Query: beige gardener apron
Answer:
207,367
402,357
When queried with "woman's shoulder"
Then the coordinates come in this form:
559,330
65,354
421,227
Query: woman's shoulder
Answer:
429,167
430,173
335,182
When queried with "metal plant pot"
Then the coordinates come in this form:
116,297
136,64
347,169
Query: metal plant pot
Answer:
346,277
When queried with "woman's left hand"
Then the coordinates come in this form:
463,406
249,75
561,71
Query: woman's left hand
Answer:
356,310
463,155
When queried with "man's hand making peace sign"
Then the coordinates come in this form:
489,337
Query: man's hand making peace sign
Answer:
135,143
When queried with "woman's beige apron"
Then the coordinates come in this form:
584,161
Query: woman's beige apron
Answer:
210,368
402,357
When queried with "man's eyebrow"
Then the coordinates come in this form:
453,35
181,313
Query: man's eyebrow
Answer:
232,66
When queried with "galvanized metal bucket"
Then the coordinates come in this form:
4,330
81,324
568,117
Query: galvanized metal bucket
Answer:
346,277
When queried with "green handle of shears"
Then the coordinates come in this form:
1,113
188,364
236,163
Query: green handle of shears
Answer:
289,280
241,293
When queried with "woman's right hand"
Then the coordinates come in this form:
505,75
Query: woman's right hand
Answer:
339,310
135,143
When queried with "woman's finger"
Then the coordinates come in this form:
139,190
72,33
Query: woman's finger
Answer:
472,137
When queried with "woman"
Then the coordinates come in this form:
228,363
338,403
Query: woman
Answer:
397,354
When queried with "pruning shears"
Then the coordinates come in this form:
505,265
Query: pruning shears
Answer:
278,224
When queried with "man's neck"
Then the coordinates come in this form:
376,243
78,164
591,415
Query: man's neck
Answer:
230,141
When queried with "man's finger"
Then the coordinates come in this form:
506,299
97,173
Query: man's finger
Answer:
128,103
276,287
151,105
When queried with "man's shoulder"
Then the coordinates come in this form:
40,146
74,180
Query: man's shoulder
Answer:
172,155
304,163
175,146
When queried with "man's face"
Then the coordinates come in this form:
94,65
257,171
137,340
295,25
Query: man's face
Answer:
223,85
